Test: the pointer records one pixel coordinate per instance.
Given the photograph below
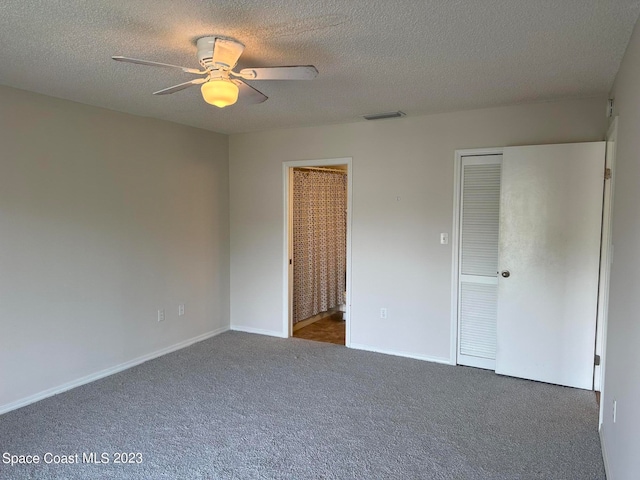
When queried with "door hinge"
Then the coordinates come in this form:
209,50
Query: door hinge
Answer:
607,173
597,360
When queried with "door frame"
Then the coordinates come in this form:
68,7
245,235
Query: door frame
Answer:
455,240
606,259
287,267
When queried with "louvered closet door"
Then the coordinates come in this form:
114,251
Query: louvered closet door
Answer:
478,262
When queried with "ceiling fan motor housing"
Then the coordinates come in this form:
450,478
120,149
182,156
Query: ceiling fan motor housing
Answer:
216,53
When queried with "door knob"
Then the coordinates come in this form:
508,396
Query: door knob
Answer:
505,273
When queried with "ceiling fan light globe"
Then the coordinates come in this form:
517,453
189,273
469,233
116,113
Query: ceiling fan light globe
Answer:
220,92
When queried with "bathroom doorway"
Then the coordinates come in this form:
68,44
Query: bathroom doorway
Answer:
317,253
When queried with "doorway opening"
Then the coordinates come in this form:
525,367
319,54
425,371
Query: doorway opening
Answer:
317,250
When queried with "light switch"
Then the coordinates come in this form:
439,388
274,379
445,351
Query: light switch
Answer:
444,238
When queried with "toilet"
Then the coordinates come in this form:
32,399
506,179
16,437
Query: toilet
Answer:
343,306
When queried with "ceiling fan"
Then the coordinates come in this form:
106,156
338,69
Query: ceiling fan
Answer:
220,84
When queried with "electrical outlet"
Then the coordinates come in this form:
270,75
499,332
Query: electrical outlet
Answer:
383,313
181,309
615,410
161,315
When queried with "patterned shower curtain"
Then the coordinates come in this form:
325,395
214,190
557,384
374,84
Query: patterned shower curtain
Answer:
319,241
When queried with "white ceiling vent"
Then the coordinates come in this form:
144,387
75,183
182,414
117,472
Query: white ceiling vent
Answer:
380,116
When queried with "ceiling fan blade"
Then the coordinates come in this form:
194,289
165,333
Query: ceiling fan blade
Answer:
247,93
119,58
226,52
297,72
181,86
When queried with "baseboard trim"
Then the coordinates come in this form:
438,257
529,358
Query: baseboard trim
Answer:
605,457
258,331
106,372
398,353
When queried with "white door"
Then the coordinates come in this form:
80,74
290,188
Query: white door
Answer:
550,221
478,261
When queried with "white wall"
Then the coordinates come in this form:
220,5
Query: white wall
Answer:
621,440
104,218
398,262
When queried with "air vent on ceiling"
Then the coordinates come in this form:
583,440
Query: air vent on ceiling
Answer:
380,116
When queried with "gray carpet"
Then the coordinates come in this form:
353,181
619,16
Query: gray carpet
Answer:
242,406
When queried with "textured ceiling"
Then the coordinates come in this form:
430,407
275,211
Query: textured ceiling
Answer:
419,56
